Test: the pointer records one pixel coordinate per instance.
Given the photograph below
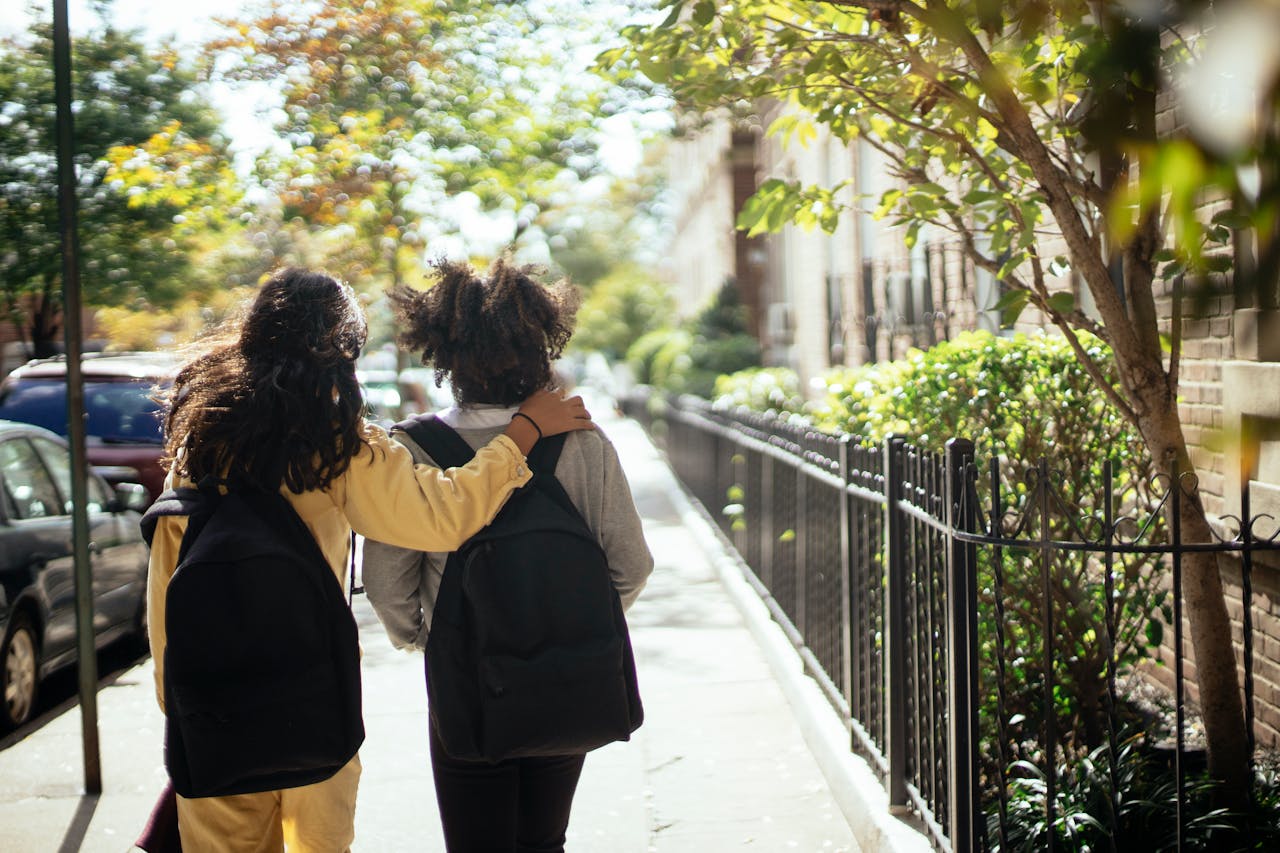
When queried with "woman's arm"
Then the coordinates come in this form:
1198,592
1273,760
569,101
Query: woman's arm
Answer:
386,497
394,580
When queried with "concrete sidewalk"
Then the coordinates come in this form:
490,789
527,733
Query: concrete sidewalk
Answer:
720,764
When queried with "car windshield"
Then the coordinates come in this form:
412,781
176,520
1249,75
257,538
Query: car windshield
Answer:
118,412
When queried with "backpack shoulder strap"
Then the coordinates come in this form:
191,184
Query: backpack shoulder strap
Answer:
449,449
436,437
542,460
181,501
546,453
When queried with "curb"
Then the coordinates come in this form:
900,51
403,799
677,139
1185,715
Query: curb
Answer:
854,785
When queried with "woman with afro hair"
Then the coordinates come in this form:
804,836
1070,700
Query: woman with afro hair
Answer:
272,403
495,339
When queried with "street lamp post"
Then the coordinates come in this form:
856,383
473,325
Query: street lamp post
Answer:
88,661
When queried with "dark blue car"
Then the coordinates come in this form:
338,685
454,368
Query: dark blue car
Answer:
37,579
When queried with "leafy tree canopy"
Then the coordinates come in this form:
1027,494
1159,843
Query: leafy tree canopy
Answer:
393,109
152,172
617,227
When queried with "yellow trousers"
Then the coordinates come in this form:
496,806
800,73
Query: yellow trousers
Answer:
317,818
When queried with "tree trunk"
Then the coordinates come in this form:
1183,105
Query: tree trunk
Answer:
1133,334
1205,606
1152,390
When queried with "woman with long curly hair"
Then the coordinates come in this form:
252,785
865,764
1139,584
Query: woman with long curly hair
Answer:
495,339
273,404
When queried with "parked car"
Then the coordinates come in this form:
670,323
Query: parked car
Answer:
123,424
37,575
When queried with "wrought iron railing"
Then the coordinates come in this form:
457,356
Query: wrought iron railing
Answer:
870,557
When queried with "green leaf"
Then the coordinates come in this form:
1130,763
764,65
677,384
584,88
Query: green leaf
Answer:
658,72
779,212
677,6
1009,267
1231,219
1062,302
1155,632
773,205
1010,305
913,233
704,13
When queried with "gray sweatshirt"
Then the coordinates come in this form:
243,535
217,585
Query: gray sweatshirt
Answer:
402,584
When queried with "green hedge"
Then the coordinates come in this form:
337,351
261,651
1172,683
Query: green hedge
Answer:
689,359
1021,398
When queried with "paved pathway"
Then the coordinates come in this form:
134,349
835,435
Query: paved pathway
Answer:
719,765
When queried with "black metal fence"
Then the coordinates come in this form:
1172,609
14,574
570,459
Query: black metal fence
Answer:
892,570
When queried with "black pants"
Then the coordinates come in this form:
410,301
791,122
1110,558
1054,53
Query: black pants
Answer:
516,806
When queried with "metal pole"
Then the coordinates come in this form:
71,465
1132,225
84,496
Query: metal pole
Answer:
1113,724
1050,712
997,595
802,548
962,634
847,603
75,399
1246,590
1179,678
895,640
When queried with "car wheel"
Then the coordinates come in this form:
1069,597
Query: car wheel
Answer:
20,660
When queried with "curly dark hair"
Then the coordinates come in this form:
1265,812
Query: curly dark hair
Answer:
494,338
273,398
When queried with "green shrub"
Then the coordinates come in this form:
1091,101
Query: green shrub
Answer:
762,389
1020,399
688,360
671,362
711,358
619,310
641,354
1143,817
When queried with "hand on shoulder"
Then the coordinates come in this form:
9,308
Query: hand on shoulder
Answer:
553,413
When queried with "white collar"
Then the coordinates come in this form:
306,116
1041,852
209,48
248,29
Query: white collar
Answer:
477,417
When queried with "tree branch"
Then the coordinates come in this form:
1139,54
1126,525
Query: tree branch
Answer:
1137,367
1067,324
1175,337
890,6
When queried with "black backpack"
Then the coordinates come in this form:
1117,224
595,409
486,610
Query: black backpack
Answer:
262,664
528,653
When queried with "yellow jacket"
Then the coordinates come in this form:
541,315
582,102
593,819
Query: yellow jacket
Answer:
382,495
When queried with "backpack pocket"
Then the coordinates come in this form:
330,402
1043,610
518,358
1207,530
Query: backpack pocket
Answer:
255,736
563,701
